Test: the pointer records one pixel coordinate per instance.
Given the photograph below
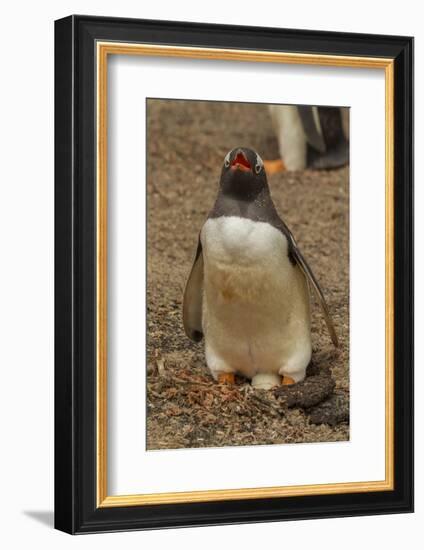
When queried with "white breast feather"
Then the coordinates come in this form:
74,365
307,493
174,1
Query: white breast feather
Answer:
256,303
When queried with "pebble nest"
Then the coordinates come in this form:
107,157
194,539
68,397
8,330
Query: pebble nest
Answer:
186,408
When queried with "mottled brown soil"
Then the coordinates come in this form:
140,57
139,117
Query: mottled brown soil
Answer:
187,142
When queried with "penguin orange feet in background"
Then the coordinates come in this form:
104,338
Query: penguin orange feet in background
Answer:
274,166
287,381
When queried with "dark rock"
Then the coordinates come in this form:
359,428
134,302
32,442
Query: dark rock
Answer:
333,411
314,369
310,392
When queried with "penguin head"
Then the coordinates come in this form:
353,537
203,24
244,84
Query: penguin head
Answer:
243,174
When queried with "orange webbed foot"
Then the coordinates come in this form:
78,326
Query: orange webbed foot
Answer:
226,378
287,381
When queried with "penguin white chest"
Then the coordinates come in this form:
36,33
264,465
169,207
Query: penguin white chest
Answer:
256,302
245,260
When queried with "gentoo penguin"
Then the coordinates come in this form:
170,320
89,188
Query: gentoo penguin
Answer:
247,291
310,136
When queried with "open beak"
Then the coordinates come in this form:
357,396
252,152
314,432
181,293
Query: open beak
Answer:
241,162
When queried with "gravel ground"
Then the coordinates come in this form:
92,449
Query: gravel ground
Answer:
187,141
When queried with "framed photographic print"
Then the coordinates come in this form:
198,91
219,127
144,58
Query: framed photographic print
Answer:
234,274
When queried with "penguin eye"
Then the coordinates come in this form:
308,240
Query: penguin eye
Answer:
259,164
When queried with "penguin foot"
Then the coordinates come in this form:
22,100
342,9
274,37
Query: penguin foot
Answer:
287,381
274,166
265,381
226,378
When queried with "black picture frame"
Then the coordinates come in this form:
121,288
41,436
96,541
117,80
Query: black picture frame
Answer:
76,510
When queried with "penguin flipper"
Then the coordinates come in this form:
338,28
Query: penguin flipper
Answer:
310,277
192,301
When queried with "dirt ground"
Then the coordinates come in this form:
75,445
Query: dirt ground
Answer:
187,142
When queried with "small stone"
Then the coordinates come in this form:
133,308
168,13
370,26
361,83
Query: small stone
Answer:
161,366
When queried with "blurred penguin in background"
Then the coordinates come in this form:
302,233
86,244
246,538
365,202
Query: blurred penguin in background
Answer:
309,137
